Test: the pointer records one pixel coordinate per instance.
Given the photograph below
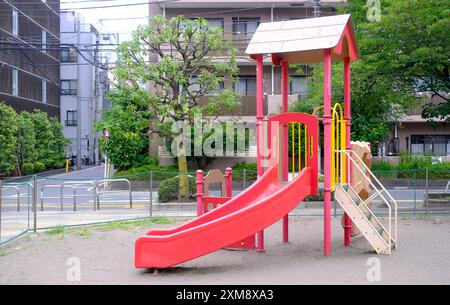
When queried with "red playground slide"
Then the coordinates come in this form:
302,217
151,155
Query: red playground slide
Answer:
260,206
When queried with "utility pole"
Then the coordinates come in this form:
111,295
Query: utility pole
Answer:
78,23
316,8
96,154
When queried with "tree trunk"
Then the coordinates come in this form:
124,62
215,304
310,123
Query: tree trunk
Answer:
184,182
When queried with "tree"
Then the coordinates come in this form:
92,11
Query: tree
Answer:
174,86
58,143
127,123
42,128
409,43
409,47
26,141
8,142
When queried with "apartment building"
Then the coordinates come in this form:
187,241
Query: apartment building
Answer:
239,20
414,134
29,55
84,82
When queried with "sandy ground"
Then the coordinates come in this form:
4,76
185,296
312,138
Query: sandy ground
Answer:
106,257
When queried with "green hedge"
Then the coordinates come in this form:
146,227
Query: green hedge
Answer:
251,171
169,189
410,167
30,142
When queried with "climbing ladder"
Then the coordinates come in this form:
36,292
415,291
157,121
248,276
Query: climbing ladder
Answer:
381,233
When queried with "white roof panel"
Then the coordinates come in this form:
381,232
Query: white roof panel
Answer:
299,35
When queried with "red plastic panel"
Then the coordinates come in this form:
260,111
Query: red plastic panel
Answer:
211,203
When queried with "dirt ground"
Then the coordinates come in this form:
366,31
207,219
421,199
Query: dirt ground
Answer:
106,257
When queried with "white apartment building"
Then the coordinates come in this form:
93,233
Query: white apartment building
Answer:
84,82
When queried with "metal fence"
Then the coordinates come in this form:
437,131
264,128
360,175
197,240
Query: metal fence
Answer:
43,203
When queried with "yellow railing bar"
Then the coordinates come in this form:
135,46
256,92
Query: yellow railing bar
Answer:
293,149
299,147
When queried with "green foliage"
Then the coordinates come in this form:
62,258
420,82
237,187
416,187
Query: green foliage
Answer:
26,143
8,141
169,189
409,43
251,171
412,167
29,142
27,169
39,167
180,84
144,172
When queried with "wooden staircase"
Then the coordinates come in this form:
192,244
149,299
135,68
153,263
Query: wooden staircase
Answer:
381,233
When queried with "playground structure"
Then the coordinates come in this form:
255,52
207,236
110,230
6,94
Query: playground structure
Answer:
275,194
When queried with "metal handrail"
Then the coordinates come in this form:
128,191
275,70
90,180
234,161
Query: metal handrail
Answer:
5,187
350,155
76,184
106,181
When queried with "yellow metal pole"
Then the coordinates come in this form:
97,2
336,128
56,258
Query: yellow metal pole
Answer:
293,149
67,165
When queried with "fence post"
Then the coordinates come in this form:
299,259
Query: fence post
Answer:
245,179
1,194
426,190
151,194
415,191
199,193
34,203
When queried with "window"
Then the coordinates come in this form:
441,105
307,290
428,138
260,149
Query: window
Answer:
298,85
15,82
15,22
246,85
69,87
69,55
44,91
245,26
44,41
195,86
215,22
71,118
439,145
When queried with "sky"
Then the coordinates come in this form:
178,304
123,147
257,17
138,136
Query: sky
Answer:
111,20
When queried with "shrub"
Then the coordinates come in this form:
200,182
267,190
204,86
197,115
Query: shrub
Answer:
250,171
143,172
39,167
27,169
169,189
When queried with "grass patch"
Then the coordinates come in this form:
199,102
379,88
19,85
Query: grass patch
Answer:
84,232
132,224
3,253
56,231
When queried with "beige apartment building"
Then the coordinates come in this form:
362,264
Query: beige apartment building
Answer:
239,21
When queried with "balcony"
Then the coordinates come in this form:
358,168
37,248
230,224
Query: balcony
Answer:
247,106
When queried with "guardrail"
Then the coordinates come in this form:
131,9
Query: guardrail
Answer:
105,183
93,186
6,187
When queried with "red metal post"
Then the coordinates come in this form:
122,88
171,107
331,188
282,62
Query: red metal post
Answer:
327,152
285,158
259,131
199,193
229,179
348,117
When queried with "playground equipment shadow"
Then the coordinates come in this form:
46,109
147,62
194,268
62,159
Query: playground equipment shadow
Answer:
105,258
